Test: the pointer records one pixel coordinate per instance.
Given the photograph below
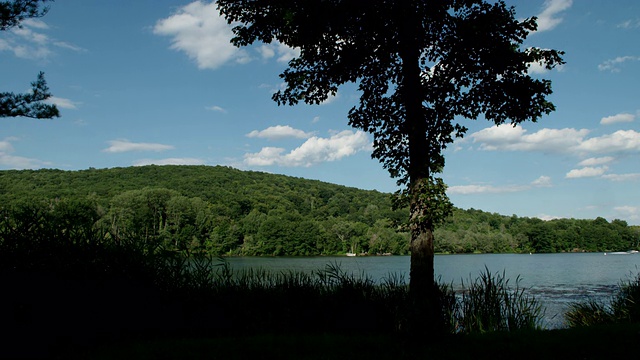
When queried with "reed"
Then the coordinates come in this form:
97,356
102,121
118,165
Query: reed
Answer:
623,307
490,304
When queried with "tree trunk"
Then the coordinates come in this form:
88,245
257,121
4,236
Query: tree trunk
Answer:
421,275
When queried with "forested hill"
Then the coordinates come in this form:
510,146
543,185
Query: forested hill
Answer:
222,210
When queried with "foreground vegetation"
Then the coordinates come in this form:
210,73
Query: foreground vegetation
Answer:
223,211
71,289
623,307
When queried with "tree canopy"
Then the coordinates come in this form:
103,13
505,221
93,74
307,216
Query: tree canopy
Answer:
421,68
31,104
224,211
12,13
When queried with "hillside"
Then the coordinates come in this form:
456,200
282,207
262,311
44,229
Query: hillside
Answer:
222,210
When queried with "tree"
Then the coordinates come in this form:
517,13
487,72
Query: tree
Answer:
32,104
421,68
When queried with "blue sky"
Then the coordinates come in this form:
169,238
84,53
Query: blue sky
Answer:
156,81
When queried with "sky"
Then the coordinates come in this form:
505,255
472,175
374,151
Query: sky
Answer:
157,82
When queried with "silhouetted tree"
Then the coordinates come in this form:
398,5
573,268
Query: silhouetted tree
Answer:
32,105
420,66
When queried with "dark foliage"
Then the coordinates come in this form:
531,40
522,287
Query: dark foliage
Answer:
31,104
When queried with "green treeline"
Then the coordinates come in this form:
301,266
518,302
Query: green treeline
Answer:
224,211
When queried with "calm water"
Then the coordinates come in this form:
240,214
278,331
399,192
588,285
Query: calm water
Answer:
555,279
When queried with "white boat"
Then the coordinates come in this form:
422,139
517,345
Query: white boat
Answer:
351,254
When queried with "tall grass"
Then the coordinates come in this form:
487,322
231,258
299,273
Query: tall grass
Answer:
490,304
65,283
623,307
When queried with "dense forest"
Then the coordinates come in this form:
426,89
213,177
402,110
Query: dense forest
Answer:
224,211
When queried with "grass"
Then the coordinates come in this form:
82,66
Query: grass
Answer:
79,293
490,304
624,307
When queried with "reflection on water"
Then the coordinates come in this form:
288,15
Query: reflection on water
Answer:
555,279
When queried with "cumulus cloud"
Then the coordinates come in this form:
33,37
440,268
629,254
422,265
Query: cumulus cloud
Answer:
198,30
30,41
279,132
618,118
506,137
587,171
621,141
8,160
567,140
613,65
549,16
542,181
118,146
596,161
169,161
313,151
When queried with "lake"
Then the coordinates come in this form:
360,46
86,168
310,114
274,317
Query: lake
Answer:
555,279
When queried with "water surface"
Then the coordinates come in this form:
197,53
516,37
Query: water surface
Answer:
555,279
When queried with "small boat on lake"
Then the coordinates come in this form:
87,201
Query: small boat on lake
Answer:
622,252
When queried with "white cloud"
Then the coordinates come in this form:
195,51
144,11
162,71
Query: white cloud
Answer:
537,68
631,213
622,177
283,52
117,146
279,132
29,41
507,137
541,67
542,181
618,142
483,189
198,30
217,109
313,151
630,24
613,64
330,99
266,157
16,162
5,145
568,140
546,217
548,18
596,161
618,118
586,172
169,161
63,103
